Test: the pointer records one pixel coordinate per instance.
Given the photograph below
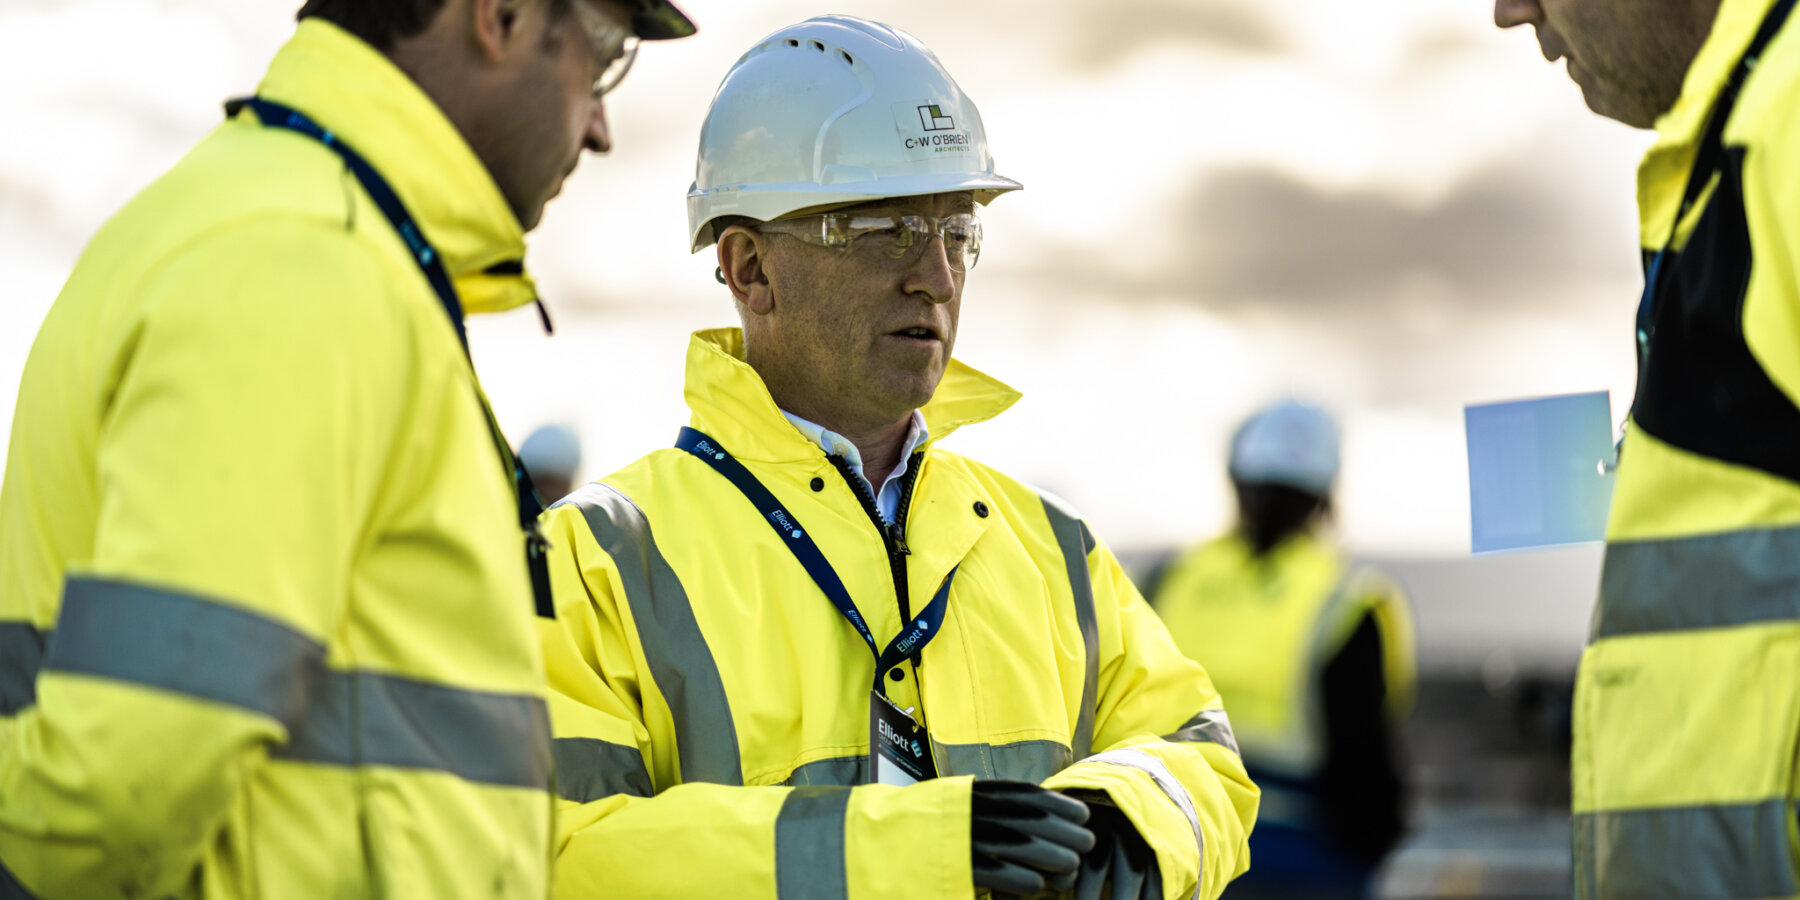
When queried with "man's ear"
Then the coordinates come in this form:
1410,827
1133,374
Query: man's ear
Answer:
496,26
743,258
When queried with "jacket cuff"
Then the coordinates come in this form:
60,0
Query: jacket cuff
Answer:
1158,805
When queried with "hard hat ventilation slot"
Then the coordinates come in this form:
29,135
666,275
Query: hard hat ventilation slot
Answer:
817,46
847,58
791,42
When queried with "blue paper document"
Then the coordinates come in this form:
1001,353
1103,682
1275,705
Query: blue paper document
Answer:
1540,471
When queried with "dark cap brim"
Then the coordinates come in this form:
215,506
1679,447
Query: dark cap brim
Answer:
660,20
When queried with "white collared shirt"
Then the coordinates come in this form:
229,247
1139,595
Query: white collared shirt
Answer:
887,500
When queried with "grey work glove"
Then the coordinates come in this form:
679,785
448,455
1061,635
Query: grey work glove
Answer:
1026,839
1120,858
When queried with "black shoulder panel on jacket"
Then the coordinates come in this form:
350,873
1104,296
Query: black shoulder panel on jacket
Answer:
1701,389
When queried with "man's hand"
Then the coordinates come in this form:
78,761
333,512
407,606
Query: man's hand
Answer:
1120,856
1026,839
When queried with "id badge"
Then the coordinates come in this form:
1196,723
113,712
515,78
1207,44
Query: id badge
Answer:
899,748
1539,471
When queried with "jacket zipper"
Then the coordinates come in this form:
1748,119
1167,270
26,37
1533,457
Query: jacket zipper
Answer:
893,536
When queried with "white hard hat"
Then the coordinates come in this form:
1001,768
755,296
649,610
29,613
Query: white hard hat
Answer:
1290,443
835,110
551,450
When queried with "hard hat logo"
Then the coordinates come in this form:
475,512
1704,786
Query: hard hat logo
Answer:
931,118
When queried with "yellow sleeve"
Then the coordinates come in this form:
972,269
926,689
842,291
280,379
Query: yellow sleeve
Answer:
629,826
242,416
1164,750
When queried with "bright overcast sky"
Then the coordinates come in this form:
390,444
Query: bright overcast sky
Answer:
1226,200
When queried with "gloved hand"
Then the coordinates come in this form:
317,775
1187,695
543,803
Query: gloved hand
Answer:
1120,857
1026,839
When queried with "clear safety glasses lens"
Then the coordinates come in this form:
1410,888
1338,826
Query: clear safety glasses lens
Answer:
891,239
615,46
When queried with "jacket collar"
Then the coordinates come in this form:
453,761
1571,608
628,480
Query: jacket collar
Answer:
354,91
1664,171
731,403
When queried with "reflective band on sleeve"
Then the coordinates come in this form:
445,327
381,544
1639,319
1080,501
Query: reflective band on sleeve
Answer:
1210,726
1176,791
840,772
1031,761
190,645
809,844
589,769
680,661
1707,581
483,737
1073,537
1724,852
21,653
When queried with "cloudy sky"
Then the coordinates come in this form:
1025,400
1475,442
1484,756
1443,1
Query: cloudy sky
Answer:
1226,200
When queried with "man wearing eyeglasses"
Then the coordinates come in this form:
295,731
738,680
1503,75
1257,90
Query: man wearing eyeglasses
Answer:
266,564
809,652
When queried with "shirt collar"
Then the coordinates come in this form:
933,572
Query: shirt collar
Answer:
731,403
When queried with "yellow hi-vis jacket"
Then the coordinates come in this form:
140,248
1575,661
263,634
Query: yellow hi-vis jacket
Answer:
1267,627
265,620
1687,703
711,707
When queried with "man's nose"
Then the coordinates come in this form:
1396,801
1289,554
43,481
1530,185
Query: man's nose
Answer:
1508,13
930,275
597,139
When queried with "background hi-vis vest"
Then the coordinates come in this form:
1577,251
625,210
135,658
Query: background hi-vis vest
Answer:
1687,704
1266,627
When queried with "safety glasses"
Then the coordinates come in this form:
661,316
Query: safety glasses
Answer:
888,239
615,46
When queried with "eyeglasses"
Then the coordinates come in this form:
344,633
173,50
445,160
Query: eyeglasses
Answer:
615,46
888,240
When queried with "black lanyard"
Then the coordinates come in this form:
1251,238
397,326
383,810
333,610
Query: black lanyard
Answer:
275,115
1708,156
911,638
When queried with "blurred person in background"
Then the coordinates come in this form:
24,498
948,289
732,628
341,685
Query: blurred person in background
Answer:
1315,658
265,602
551,455
810,653
1688,694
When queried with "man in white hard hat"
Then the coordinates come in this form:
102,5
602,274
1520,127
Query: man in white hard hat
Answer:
807,652
1316,656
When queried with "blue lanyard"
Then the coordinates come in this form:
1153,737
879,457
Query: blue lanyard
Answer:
274,115
911,638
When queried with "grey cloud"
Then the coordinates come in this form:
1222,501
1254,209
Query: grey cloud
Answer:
1128,27
1260,234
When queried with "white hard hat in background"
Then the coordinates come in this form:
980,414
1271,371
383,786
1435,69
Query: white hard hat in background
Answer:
550,451
1290,443
835,110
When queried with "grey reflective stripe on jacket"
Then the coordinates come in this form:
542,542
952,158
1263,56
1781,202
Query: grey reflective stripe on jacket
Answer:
809,845
589,769
1707,581
221,653
1075,541
680,660
1210,726
21,655
1171,787
1711,852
